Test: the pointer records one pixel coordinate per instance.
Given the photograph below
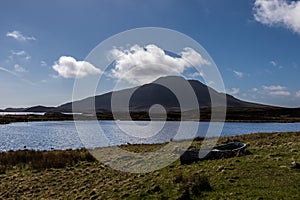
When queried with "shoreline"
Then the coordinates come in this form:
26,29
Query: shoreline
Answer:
7,119
198,138
242,114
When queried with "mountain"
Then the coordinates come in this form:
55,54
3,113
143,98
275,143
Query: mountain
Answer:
30,109
145,96
140,99
39,109
14,109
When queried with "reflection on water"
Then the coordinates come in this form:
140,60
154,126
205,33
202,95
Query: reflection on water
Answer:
63,134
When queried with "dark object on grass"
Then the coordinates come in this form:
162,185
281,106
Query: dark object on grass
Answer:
228,150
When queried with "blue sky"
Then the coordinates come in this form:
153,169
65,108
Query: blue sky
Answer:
254,43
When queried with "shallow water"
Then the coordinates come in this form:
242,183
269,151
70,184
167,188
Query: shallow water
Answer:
64,135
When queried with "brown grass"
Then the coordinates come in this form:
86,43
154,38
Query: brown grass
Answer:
39,160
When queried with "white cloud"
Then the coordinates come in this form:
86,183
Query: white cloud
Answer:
273,87
19,68
16,75
8,71
275,64
43,64
280,93
21,53
278,13
138,65
276,90
196,74
68,67
272,62
233,91
254,89
19,36
238,74
298,93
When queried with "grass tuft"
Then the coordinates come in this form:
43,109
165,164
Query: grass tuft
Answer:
192,185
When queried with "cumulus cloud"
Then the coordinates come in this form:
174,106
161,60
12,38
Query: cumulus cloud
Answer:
238,74
138,65
19,36
298,93
69,67
278,13
276,90
233,91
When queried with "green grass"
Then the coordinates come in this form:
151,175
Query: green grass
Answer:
268,173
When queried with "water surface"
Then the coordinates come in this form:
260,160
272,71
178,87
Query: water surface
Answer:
63,134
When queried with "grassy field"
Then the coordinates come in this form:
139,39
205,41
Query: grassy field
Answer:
271,171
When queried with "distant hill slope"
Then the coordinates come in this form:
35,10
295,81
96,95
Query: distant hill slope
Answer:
149,94
143,97
30,109
39,109
14,109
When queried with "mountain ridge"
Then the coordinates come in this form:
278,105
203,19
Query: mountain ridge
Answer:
144,96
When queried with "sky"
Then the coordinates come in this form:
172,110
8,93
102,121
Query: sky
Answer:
254,43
